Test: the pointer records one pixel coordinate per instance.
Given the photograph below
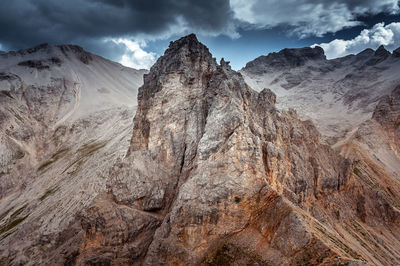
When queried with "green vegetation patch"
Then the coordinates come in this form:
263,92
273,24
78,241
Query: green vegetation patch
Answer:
90,148
84,152
14,220
4,214
48,192
356,171
18,211
11,224
45,164
56,156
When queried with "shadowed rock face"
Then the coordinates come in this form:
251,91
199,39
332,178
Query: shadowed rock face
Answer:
396,53
216,174
287,58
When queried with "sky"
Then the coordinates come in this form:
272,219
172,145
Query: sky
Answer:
136,32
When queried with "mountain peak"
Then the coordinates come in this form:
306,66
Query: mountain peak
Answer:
314,53
84,56
184,55
188,42
187,58
287,58
382,52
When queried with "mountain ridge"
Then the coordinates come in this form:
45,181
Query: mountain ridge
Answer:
337,94
209,171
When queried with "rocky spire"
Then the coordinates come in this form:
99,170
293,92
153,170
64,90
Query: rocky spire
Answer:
207,153
185,58
382,52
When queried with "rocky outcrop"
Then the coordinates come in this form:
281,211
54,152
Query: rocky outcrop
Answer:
215,174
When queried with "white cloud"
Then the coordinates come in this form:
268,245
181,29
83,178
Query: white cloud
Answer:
388,35
134,55
306,17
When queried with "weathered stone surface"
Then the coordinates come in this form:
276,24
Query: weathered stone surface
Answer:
214,174
231,178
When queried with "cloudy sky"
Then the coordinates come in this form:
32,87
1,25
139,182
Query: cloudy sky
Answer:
136,32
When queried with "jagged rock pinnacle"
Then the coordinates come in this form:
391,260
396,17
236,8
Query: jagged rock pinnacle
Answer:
206,153
382,52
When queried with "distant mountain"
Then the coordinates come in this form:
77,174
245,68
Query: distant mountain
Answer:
336,94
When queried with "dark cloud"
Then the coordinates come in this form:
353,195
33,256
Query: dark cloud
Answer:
309,17
98,25
24,23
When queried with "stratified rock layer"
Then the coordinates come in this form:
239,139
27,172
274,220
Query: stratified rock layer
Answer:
215,174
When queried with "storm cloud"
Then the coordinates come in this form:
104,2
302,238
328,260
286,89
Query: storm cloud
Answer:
120,29
309,17
27,22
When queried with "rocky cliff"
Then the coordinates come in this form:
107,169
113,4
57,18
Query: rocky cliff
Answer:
215,174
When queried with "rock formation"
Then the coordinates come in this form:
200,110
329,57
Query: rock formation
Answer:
215,174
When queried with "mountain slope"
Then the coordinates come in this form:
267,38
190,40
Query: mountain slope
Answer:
336,94
65,117
215,174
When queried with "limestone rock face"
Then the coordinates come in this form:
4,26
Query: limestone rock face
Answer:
216,174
